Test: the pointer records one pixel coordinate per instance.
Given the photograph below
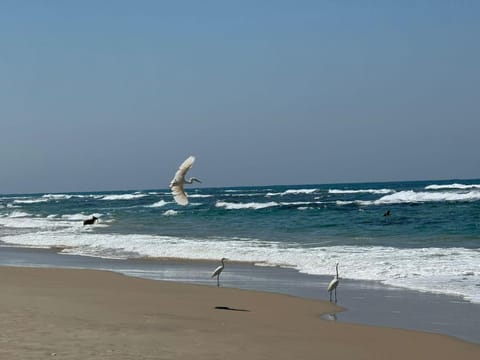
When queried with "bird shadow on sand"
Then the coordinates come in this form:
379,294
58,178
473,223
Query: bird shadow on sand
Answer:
230,309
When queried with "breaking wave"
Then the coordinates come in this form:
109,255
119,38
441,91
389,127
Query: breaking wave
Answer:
239,206
452,186
366,191
444,270
123,196
292,192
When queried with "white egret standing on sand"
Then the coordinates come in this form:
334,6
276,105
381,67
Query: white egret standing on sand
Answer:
333,285
218,271
176,185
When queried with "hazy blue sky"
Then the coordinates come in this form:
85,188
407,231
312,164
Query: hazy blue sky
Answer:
98,95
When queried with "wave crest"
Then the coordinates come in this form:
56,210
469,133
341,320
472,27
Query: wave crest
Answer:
411,196
123,196
240,206
365,191
292,192
454,186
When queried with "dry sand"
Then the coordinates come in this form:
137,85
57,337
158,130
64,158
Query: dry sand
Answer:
88,314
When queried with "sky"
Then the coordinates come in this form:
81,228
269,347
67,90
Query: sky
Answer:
114,95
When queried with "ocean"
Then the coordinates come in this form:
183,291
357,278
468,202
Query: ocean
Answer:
430,242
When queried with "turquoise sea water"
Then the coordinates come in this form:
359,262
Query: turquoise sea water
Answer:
430,242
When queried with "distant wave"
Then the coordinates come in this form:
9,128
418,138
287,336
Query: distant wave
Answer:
367,191
238,206
452,186
356,202
123,196
244,194
410,196
199,196
29,201
42,199
300,203
170,213
292,192
57,196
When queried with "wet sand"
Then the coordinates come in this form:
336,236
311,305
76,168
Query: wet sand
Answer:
89,314
364,302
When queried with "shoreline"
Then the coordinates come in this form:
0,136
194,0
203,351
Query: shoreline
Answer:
90,314
368,303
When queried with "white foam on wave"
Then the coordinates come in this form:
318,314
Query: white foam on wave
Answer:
160,203
170,213
29,201
51,197
450,270
454,186
364,191
23,221
240,206
256,206
199,196
300,203
244,194
17,214
123,196
292,192
412,197
57,196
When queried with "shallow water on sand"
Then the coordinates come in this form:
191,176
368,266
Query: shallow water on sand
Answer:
365,302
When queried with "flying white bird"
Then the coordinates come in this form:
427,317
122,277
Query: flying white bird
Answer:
333,285
176,185
218,271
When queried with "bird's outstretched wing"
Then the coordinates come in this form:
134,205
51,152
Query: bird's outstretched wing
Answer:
182,171
176,185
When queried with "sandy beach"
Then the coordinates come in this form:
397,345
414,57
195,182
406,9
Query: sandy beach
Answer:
90,314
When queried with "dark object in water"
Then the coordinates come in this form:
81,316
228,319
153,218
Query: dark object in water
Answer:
387,213
90,221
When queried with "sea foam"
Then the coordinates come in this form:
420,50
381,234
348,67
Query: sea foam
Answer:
239,206
451,270
292,192
123,196
411,196
365,191
454,186
160,203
